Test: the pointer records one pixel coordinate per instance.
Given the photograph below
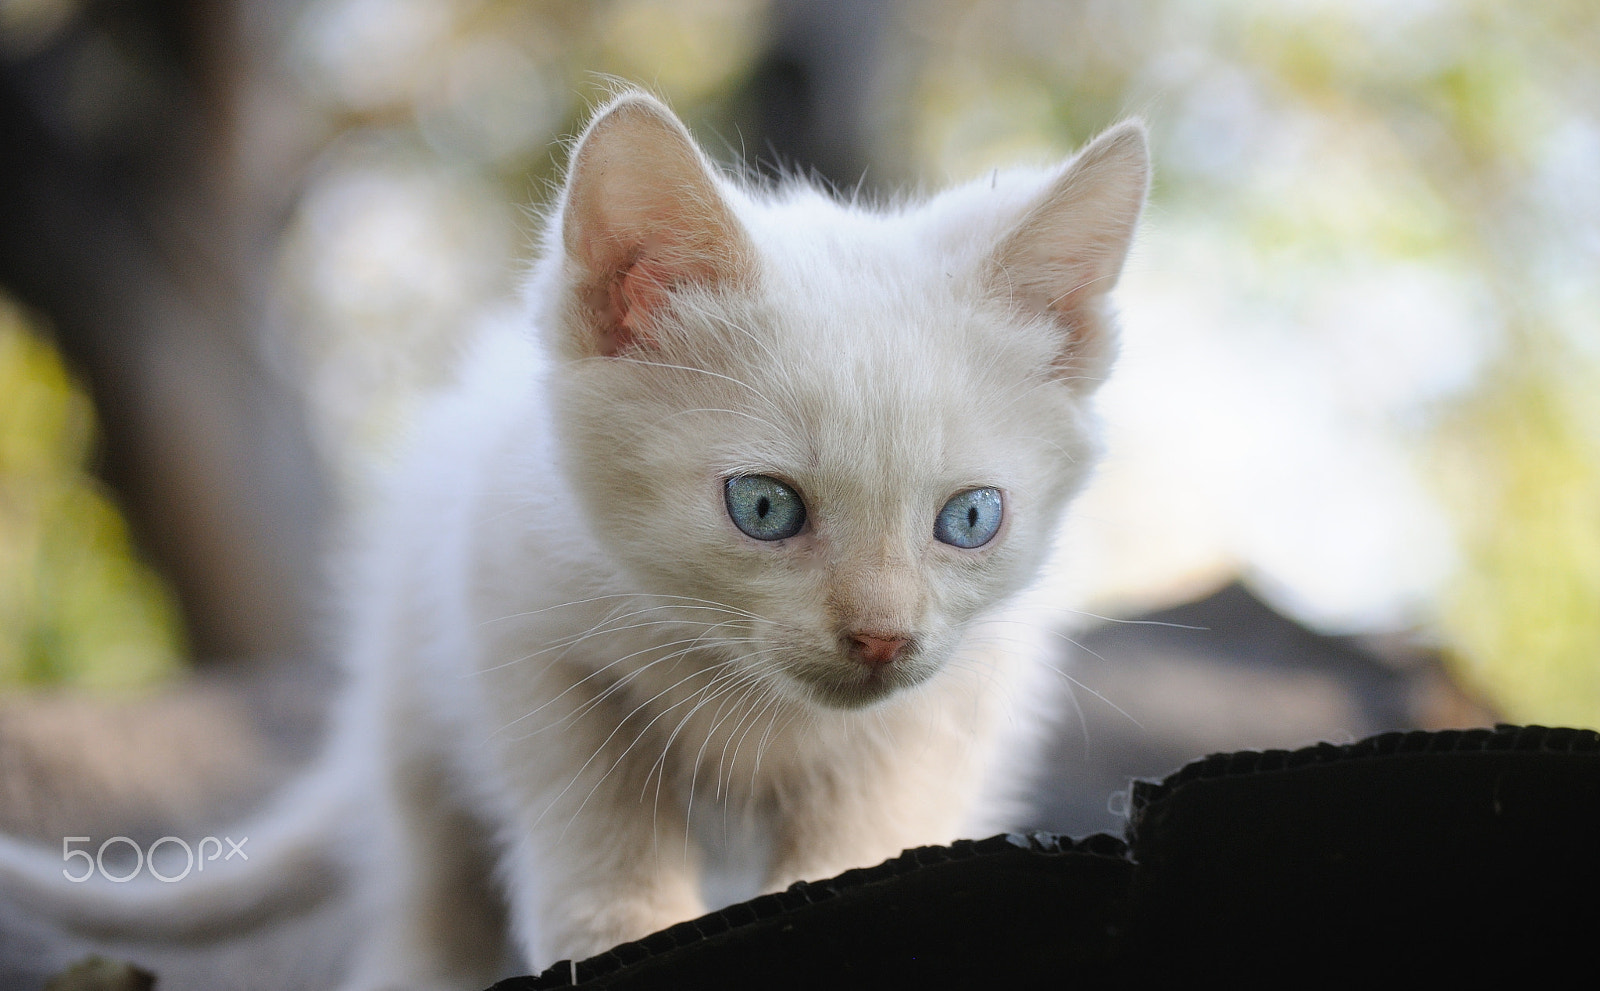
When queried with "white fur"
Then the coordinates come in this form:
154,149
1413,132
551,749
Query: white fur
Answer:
577,684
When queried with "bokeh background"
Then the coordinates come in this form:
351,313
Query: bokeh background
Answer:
1362,324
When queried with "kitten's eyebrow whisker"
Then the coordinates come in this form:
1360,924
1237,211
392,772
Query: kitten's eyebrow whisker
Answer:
1043,381
1071,458
702,371
730,412
731,325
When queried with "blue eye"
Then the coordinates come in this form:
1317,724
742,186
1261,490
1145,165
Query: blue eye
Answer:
764,508
970,518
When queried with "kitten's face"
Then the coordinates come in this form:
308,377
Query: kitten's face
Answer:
831,438
852,464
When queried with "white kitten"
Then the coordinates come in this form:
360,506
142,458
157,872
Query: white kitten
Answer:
748,529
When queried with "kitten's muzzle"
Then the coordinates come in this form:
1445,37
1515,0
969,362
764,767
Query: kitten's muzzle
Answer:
870,665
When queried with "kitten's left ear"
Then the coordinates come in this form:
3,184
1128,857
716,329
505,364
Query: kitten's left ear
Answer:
1066,253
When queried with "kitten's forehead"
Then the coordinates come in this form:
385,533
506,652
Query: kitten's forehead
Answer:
871,357
886,358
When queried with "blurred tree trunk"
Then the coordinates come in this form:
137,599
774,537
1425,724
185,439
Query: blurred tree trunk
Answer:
133,226
813,101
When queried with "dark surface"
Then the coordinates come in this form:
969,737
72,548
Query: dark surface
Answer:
933,915
1454,850
1451,855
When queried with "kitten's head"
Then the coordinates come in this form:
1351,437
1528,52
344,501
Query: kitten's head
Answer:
839,435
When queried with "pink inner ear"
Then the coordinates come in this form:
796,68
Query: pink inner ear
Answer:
634,297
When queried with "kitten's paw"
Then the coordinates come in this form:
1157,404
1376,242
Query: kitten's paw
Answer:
593,926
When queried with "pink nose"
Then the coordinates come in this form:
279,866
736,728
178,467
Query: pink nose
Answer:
877,649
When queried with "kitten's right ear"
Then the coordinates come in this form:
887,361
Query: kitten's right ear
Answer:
641,215
1066,254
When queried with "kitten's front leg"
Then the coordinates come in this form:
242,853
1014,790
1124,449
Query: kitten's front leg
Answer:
603,864
815,845
868,806
614,890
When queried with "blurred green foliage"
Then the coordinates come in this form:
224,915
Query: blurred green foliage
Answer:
77,608
1520,462
1492,104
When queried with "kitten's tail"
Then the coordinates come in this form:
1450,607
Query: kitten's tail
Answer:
187,889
